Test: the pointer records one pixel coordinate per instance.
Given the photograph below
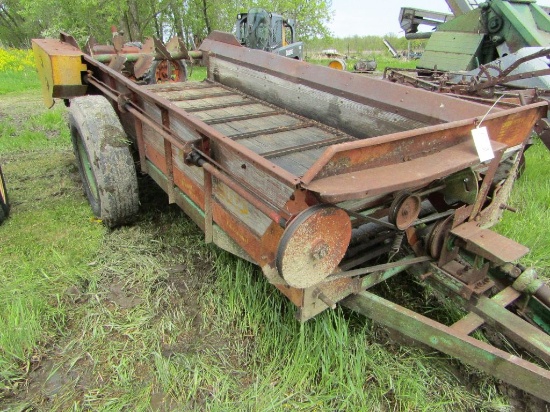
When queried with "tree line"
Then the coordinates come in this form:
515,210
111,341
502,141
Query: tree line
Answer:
191,20
357,44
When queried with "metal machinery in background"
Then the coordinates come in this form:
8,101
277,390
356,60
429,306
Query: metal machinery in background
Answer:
492,51
148,63
330,182
259,29
155,62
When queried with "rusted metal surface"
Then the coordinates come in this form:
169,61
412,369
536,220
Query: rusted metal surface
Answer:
488,244
334,187
509,127
196,126
248,196
489,86
404,210
313,245
345,84
152,62
391,177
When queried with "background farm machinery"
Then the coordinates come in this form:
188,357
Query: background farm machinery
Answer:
155,62
330,182
259,29
494,51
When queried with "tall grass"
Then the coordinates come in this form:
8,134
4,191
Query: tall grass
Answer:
17,71
44,249
531,198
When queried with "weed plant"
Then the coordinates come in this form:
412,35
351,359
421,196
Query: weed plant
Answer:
531,199
149,317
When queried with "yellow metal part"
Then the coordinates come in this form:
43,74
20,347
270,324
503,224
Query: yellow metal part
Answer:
338,64
60,69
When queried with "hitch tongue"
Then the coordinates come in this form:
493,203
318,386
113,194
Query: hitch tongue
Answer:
529,283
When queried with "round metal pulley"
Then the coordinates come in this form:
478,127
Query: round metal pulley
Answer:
437,236
404,210
313,245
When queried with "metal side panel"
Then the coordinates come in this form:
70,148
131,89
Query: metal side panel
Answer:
358,120
451,51
390,99
510,127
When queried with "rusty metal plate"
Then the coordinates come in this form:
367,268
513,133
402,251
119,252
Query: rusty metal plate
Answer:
313,245
489,244
143,65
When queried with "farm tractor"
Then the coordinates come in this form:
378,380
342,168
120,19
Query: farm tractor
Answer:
259,29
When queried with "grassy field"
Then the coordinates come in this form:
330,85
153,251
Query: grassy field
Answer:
383,60
149,317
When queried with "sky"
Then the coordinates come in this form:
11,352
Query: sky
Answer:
380,17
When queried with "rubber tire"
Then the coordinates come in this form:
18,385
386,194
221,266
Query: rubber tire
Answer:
4,199
104,160
151,78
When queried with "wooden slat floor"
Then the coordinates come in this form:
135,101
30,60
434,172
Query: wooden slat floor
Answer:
286,139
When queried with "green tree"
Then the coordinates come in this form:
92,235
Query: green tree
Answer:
15,29
21,20
311,16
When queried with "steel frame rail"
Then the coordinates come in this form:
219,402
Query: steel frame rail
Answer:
505,366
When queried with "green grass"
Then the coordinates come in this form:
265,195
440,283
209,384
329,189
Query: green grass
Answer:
382,61
149,317
197,73
44,250
531,198
18,81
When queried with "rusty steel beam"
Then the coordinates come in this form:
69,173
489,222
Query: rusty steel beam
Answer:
509,368
133,57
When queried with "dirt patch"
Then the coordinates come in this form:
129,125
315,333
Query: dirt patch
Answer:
523,402
162,402
124,297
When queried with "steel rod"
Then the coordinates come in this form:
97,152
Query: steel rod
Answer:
132,57
249,197
385,266
510,368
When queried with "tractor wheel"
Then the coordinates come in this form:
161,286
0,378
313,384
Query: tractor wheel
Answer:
4,202
165,71
104,160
